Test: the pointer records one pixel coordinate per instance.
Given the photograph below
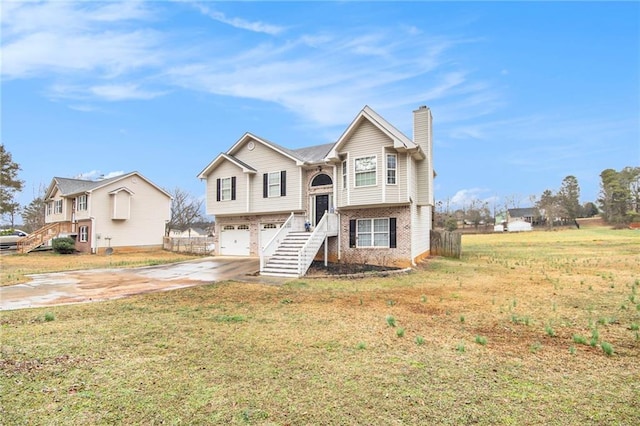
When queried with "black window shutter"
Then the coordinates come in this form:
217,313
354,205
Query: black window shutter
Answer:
265,185
392,232
283,183
352,233
217,189
233,187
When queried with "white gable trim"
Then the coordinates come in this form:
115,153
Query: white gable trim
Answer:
400,141
248,136
221,158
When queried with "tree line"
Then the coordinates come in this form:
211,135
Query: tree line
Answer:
618,204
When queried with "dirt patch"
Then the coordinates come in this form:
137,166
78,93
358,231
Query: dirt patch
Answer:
343,269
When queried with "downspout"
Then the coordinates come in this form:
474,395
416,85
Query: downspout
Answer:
94,241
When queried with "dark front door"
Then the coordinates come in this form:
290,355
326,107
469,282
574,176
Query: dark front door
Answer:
322,204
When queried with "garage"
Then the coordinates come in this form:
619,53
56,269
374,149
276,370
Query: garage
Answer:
234,240
267,231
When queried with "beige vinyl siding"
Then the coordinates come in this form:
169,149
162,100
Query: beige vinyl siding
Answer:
422,136
149,211
266,160
397,193
368,140
239,205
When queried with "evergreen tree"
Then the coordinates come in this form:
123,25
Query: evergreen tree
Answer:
569,198
9,183
615,196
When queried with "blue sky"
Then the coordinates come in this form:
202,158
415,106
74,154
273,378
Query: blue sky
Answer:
522,94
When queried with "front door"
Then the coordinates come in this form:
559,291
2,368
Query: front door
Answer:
322,204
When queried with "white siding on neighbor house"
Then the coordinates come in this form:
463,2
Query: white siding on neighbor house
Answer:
266,160
367,140
65,215
150,210
239,205
120,205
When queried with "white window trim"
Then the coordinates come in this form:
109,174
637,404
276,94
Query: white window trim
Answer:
223,189
272,185
387,169
373,233
57,207
355,171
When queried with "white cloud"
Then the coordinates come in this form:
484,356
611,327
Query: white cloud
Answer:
243,24
96,174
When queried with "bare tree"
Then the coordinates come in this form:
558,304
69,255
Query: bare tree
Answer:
185,210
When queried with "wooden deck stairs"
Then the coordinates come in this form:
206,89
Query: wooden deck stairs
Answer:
42,236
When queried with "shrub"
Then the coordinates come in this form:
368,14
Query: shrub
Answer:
64,245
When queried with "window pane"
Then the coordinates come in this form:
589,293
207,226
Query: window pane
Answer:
225,189
381,225
363,179
364,240
365,164
381,240
364,226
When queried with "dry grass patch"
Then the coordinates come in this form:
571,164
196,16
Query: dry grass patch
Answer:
322,352
16,267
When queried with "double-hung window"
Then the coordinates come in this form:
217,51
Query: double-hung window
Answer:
373,232
84,234
274,184
82,202
392,169
225,189
365,171
344,174
49,208
57,207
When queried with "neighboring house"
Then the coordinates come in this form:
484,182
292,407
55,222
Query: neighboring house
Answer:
367,198
517,220
526,214
127,211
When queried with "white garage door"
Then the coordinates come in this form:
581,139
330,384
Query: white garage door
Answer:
234,240
267,231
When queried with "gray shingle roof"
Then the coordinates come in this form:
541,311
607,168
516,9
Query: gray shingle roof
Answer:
69,186
313,154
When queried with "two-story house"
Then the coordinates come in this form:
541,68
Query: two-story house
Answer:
125,212
366,198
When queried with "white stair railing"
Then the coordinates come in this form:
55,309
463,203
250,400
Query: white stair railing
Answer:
319,235
293,223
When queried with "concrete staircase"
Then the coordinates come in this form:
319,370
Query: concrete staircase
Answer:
284,262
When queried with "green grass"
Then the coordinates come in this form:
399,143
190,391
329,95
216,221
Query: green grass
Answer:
234,353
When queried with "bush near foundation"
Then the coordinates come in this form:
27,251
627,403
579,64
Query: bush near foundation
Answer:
64,245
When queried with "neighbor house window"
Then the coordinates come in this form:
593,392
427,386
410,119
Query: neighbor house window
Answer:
49,208
373,232
84,234
226,189
344,174
57,207
392,169
365,170
82,202
274,184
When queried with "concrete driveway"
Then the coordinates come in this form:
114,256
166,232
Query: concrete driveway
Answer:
102,284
